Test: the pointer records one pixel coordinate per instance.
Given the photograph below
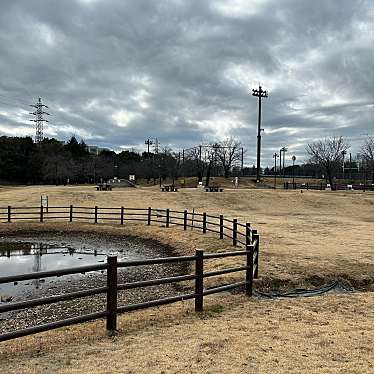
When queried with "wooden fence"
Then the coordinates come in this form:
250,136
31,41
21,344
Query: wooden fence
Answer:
225,227
248,237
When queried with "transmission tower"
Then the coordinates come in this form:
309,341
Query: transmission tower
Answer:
39,120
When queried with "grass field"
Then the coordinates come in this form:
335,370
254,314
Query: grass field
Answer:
307,239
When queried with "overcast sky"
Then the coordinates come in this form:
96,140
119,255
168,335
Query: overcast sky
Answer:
117,72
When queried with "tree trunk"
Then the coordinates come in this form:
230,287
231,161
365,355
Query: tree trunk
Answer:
329,176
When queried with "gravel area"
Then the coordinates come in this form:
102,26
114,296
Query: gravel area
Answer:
127,248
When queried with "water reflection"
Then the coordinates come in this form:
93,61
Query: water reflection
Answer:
24,257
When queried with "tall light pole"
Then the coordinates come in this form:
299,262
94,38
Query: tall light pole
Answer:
343,154
275,169
148,142
284,150
293,171
260,93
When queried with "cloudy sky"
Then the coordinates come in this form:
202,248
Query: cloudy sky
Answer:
116,72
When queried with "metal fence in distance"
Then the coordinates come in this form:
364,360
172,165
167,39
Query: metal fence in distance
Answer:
324,186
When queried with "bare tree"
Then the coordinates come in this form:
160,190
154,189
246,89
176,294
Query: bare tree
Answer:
196,159
367,153
228,153
328,154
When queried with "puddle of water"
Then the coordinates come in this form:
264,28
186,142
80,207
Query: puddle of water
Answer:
26,257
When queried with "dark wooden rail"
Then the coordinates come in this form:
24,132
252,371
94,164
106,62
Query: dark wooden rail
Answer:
250,267
229,228
239,233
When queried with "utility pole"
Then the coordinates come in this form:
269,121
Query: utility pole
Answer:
39,120
242,161
260,94
293,171
343,154
275,169
284,157
281,167
148,142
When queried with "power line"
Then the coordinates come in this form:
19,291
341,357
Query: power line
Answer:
13,101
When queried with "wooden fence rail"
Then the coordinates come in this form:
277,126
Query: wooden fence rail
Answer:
113,287
225,227
202,221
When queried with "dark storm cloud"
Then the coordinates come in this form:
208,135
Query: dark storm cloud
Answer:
116,72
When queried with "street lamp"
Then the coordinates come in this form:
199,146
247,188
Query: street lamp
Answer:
260,93
293,171
275,169
343,154
284,150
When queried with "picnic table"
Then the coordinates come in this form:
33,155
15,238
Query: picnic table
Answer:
103,187
169,189
213,189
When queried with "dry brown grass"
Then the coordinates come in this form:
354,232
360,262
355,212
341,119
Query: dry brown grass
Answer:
306,238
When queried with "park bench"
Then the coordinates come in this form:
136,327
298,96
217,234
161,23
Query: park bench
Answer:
103,187
169,189
213,189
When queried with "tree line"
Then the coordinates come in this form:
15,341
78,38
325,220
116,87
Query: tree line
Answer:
330,155
55,162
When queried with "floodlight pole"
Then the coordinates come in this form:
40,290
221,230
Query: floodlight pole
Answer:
293,171
275,169
343,154
260,93
281,169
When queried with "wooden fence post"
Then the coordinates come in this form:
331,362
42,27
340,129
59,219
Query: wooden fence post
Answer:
71,214
167,217
9,213
149,215
185,220
221,226
234,231
204,223
41,213
95,214
199,281
111,301
256,237
122,214
248,232
249,272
